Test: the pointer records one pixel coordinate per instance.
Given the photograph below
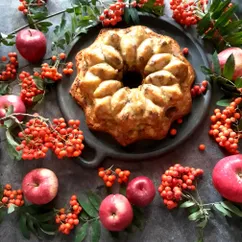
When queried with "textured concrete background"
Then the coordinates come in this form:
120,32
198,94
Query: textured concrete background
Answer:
161,224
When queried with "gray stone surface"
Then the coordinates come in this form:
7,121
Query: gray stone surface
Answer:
161,224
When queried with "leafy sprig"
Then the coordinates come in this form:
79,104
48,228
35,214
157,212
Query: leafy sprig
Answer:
223,77
200,213
220,24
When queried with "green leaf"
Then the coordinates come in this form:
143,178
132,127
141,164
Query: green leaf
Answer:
89,209
96,231
2,214
228,70
11,147
204,23
49,227
11,208
224,18
94,2
32,226
63,22
202,224
222,210
216,65
232,208
206,70
67,37
81,233
84,216
134,15
38,98
238,82
224,102
195,216
127,15
4,88
23,226
187,204
39,82
138,219
9,122
220,9
47,232
45,217
94,199
214,5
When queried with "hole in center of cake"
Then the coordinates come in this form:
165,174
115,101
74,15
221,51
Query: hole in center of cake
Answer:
132,79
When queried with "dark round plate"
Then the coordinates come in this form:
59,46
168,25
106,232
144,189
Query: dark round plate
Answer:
101,145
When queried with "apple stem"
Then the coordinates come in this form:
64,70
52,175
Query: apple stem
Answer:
30,32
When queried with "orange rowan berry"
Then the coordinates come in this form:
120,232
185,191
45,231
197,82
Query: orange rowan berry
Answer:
202,147
62,56
173,132
8,187
54,58
109,184
117,171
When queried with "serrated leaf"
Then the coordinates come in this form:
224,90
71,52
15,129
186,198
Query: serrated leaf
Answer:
23,226
187,204
204,23
238,82
94,199
195,216
49,227
134,15
214,5
84,216
4,88
228,70
89,209
11,208
224,102
11,147
63,22
138,219
81,233
216,65
9,122
232,208
47,232
94,2
222,210
206,70
96,231
39,82
31,226
67,37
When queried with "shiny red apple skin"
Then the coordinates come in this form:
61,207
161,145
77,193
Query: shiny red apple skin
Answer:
40,186
140,191
227,178
31,44
237,52
116,212
12,100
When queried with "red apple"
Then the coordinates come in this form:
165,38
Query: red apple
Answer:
227,177
237,52
40,186
140,191
31,44
11,100
115,212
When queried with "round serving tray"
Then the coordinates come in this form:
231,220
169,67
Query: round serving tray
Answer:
99,145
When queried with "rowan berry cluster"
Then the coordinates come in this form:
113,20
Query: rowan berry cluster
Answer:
109,176
113,14
41,135
67,220
50,72
184,12
68,68
198,90
23,7
10,196
11,67
176,179
222,126
29,88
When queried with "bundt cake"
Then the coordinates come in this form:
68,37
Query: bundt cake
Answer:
132,114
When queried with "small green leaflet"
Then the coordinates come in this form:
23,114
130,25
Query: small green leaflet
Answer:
23,226
96,231
8,123
222,210
2,214
238,82
81,233
228,70
195,216
89,209
232,208
11,147
94,199
12,208
45,217
39,82
224,102
4,88
202,224
216,64
134,15
187,204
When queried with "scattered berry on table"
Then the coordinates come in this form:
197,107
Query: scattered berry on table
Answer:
185,51
202,147
173,132
198,90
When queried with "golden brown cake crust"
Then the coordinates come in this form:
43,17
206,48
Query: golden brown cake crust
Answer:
145,112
